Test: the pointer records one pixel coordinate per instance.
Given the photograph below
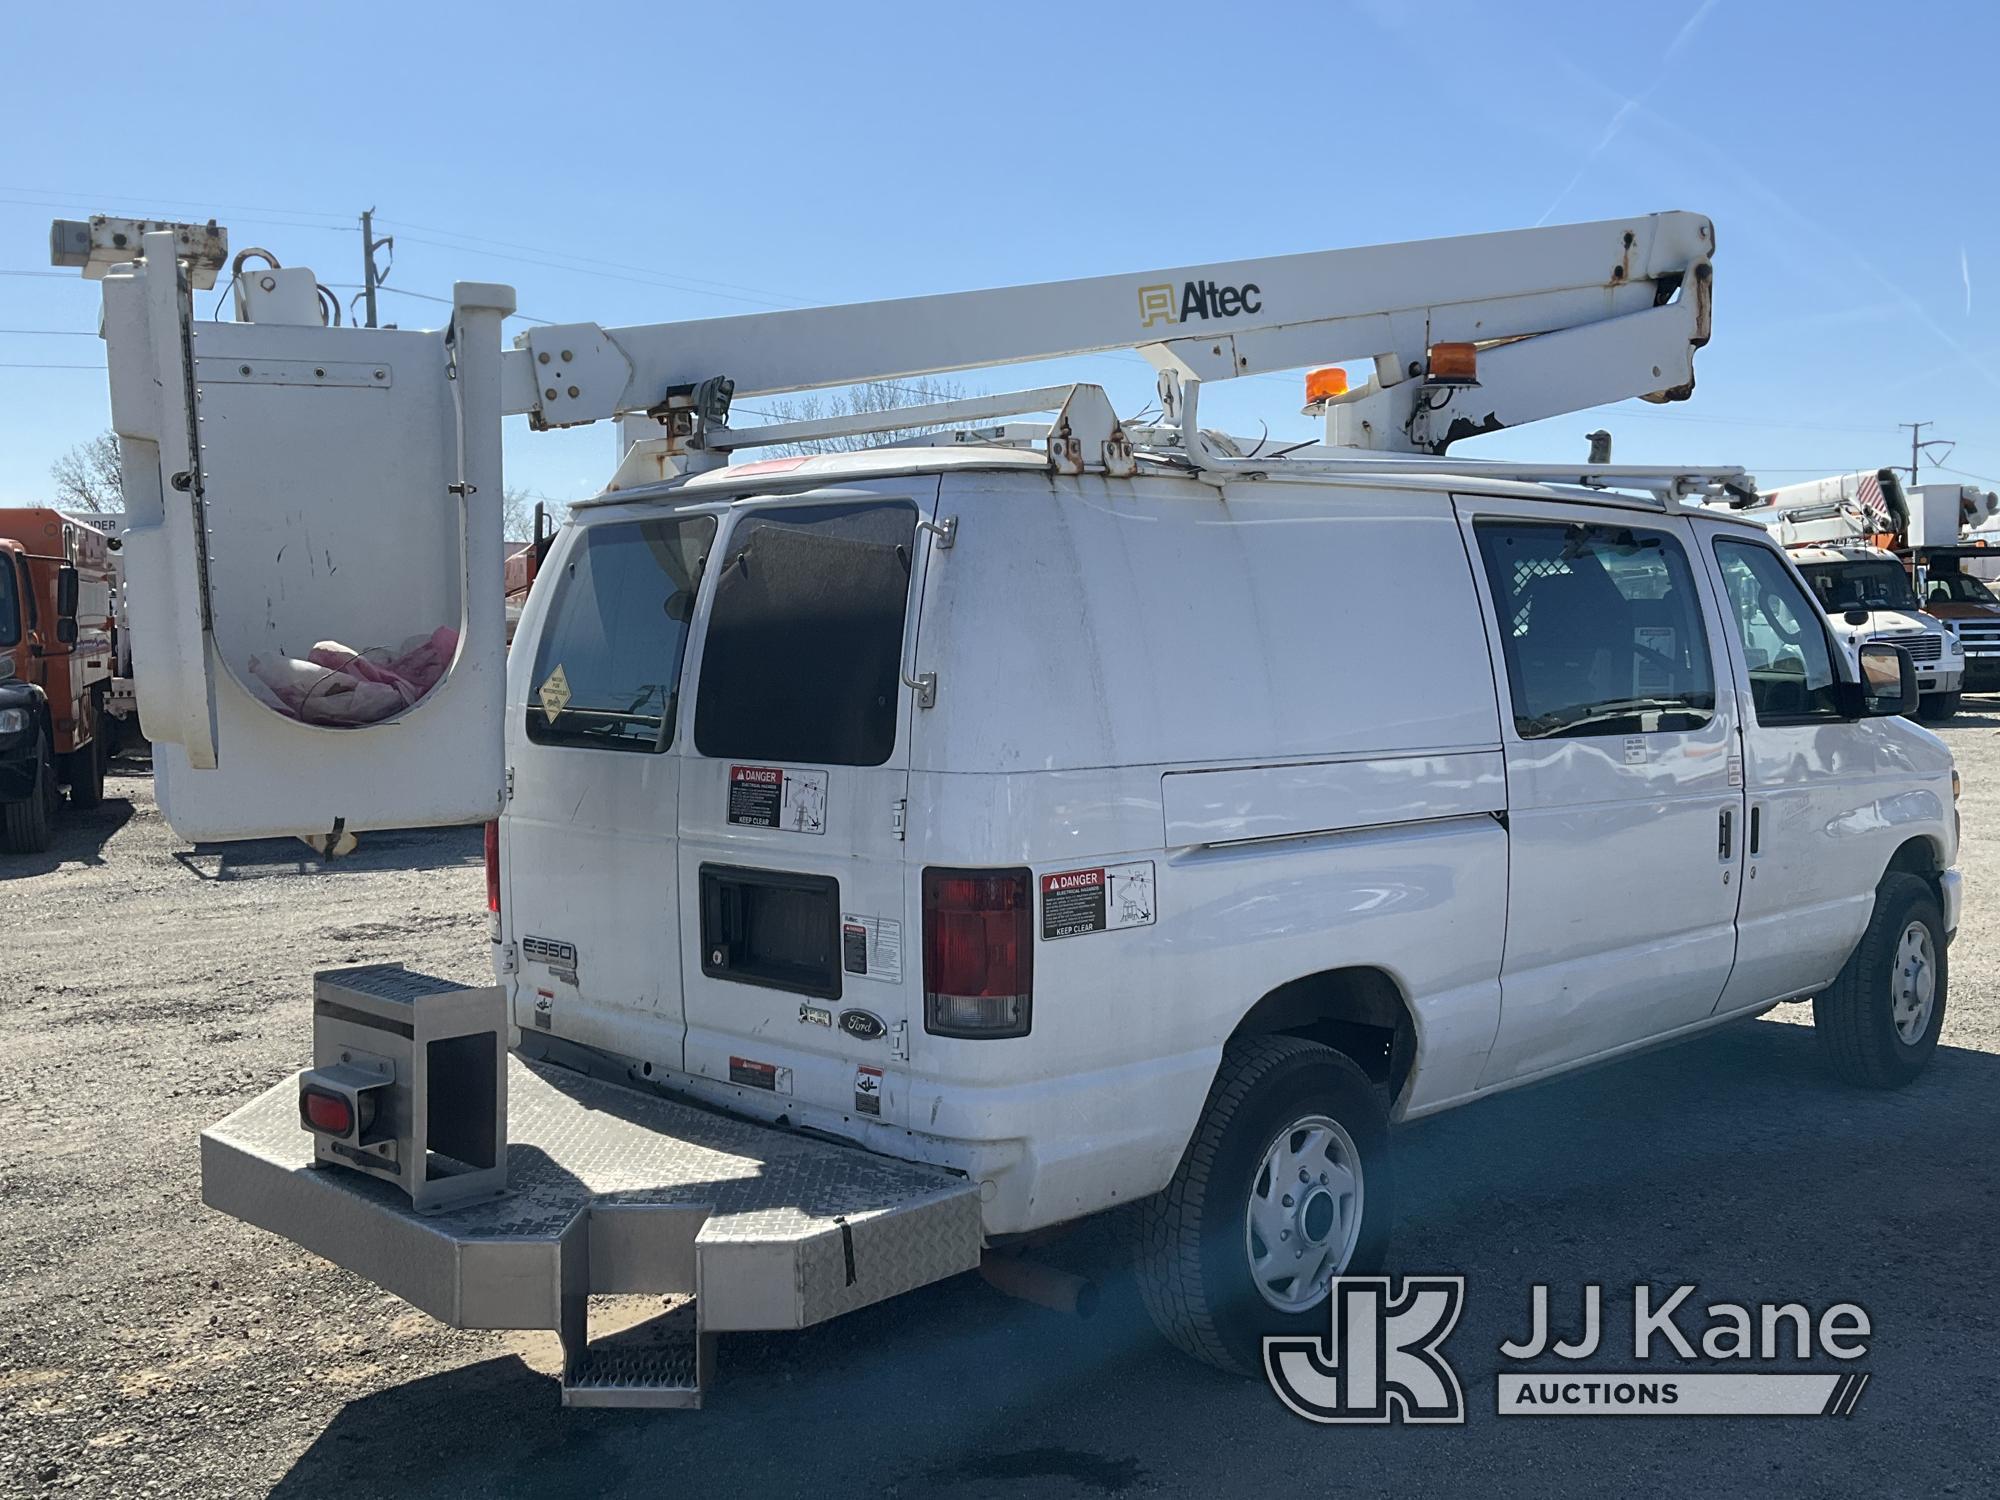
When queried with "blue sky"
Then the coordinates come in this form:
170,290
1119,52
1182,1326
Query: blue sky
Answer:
617,168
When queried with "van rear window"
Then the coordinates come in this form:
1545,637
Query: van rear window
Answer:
803,659
608,666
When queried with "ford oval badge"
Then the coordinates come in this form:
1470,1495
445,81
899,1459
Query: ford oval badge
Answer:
862,1025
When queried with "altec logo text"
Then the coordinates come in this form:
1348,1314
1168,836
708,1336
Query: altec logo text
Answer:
1166,303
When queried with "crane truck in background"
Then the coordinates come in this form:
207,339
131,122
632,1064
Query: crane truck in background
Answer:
895,855
1950,563
57,662
1856,541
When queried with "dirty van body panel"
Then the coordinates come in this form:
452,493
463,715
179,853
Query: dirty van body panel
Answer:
1151,680
595,715
1625,797
801,934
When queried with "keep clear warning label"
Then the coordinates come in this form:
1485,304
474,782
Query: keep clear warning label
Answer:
773,797
1098,900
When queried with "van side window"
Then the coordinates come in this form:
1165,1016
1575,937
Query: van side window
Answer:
803,659
608,666
1783,635
1601,628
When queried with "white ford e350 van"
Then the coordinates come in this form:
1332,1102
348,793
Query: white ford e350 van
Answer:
1152,840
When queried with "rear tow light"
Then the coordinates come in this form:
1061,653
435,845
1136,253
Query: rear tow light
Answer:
340,1101
979,952
493,867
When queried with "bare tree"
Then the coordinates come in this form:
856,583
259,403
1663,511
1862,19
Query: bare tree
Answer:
87,477
874,396
517,513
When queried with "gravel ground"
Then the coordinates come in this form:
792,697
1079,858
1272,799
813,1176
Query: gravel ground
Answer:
148,1346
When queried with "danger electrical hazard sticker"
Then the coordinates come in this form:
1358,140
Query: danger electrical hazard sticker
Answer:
773,797
1103,899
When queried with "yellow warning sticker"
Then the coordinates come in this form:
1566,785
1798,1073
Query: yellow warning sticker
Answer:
554,694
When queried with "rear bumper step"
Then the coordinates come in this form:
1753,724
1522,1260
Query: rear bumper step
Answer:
612,1191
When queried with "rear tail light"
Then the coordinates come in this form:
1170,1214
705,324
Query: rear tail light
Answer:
979,952
493,866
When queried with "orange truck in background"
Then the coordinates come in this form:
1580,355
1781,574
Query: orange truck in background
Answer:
57,656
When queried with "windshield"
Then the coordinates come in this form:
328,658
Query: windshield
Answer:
1860,585
1957,588
10,618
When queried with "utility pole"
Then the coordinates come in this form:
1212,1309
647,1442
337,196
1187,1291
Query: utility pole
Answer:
370,277
1916,447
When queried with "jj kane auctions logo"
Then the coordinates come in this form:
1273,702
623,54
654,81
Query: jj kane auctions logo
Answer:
1383,1360
1167,303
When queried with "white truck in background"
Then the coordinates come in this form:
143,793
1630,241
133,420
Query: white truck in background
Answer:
898,854
1849,535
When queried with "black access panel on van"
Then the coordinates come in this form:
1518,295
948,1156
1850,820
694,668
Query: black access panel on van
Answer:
771,928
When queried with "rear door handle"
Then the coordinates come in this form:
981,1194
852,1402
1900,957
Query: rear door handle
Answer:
1725,840
1756,828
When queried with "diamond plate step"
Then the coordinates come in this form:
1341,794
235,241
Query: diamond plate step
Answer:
660,1364
613,1191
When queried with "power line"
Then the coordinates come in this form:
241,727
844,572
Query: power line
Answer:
12,366
68,333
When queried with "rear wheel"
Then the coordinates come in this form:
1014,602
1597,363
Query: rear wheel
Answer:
1939,706
1285,1186
1878,1022
86,771
28,826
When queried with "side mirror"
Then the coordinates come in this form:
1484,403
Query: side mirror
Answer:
1856,617
1888,680
66,604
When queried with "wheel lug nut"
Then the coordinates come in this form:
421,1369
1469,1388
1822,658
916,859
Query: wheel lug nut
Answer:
1288,1200
1322,1179
1304,1175
1299,1253
1284,1234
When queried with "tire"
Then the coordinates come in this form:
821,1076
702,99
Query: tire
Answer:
1196,1239
1939,706
86,773
28,827
1878,1022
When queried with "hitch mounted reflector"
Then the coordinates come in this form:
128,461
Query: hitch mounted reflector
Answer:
493,866
979,952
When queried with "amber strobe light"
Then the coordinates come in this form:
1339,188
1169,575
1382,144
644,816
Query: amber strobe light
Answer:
1454,364
1324,385
979,952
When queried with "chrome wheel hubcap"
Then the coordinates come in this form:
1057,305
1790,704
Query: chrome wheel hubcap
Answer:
1913,984
1305,1213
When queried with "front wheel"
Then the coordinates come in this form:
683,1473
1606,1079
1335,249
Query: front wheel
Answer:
1286,1185
1878,1022
28,826
1939,706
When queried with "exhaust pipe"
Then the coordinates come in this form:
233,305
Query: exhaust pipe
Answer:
1043,1285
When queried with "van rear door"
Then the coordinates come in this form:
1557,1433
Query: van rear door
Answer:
799,950
596,714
